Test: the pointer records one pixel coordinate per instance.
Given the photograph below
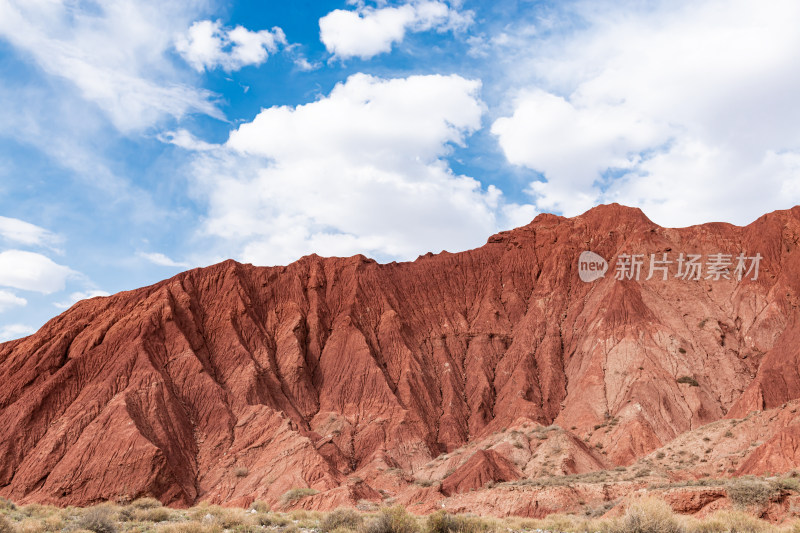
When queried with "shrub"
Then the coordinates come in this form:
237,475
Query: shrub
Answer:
649,515
259,506
5,525
145,503
270,519
192,526
393,520
126,514
745,493
7,505
293,495
50,523
99,520
689,380
559,522
240,471
305,519
229,518
157,514
30,525
443,522
341,518
788,483
214,514
732,521
34,510
246,528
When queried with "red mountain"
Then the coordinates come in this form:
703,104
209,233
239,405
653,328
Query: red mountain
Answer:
235,382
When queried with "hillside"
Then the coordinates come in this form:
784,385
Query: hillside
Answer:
453,378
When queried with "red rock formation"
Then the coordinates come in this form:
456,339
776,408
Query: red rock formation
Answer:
781,452
235,382
482,468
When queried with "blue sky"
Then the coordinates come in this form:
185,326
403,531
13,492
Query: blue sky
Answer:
140,138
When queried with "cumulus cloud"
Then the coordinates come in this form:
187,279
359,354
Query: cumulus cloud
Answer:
208,45
115,53
15,331
688,110
162,260
9,300
366,32
362,170
32,272
19,231
78,296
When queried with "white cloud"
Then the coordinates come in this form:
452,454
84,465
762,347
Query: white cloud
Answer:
688,110
305,65
15,331
186,140
19,231
208,45
32,272
359,171
368,31
162,260
9,300
115,53
78,296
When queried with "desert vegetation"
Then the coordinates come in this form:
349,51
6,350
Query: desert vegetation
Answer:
645,514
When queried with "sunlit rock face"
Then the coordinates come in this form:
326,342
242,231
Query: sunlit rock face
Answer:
235,382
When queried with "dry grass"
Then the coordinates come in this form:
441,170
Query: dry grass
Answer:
5,525
293,495
192,526
558,522
156,514
649,515
443,522
644,515
145,503
733,521
223,517
393,520
260,506
745,493
99,519
348,519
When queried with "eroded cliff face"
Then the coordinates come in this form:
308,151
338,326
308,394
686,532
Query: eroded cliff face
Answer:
233,382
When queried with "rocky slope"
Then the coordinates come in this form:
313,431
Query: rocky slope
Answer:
453,376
